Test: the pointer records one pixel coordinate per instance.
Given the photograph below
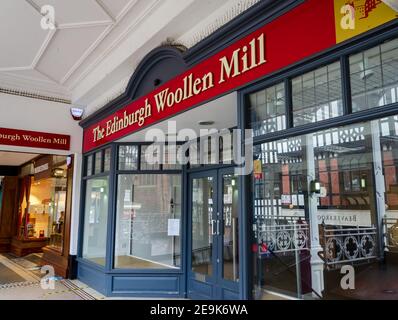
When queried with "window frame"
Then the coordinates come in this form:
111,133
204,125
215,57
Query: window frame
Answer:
340,52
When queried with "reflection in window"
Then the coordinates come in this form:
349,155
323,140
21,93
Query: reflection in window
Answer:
148,221
202,215
170,157
128,158
107,160
267,110
374,76
341,160
95,220
98,162
317,95
89,165
345,161
151,157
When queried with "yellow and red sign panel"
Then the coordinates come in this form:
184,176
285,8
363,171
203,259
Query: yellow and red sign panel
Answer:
353,17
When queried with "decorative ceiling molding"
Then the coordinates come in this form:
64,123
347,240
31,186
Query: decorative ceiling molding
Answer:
218,22
106,10
42,87
86,24
125,18
42,49
33,95
86,54
114,44
91,49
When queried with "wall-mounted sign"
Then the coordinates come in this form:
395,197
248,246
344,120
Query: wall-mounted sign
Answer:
41,168
34,139
351,218
307,29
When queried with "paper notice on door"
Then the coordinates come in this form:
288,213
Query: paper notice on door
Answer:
173,227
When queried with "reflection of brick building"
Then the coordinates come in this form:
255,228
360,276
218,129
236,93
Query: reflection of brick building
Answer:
363,8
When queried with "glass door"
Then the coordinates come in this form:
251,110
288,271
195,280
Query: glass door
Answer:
213,247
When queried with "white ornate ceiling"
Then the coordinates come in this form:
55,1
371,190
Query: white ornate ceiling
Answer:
96,44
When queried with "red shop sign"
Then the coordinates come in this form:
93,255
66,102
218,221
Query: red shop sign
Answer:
307,29
34,139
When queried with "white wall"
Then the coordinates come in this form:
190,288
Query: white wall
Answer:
23,113
45,116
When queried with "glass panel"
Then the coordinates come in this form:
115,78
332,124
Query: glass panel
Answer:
278,201
317,95
374,76
170,157
107,160
98,162
231,228
267,110
389,146
148,221
150,157
57,211
89,165
128,158
202,215
354,166
95,220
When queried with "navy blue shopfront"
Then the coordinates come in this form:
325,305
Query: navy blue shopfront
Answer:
204,232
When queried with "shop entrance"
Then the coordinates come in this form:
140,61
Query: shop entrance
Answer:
35,194
213,251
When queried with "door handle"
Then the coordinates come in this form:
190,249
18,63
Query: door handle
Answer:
213,233
218,227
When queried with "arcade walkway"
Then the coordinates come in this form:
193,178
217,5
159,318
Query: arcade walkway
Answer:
20,280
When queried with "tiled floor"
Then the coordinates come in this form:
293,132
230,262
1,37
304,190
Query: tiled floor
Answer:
20,279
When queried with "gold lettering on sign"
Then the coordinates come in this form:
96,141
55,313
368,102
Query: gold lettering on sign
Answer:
238,63
248,57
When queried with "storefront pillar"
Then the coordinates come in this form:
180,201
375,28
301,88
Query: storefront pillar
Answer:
317,281
378,180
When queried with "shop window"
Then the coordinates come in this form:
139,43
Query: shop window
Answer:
98,163
151,157
170,157
374,77
128,158
148,223
213,149
107,160
317,95
267,110
43,202
344,213
95,220
89,165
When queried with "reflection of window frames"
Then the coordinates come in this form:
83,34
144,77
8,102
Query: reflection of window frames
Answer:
374,76
268,110
317,95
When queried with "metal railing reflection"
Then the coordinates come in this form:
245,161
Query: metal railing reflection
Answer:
390,233
283,234
348,245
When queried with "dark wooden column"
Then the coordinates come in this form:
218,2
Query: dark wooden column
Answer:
8,212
